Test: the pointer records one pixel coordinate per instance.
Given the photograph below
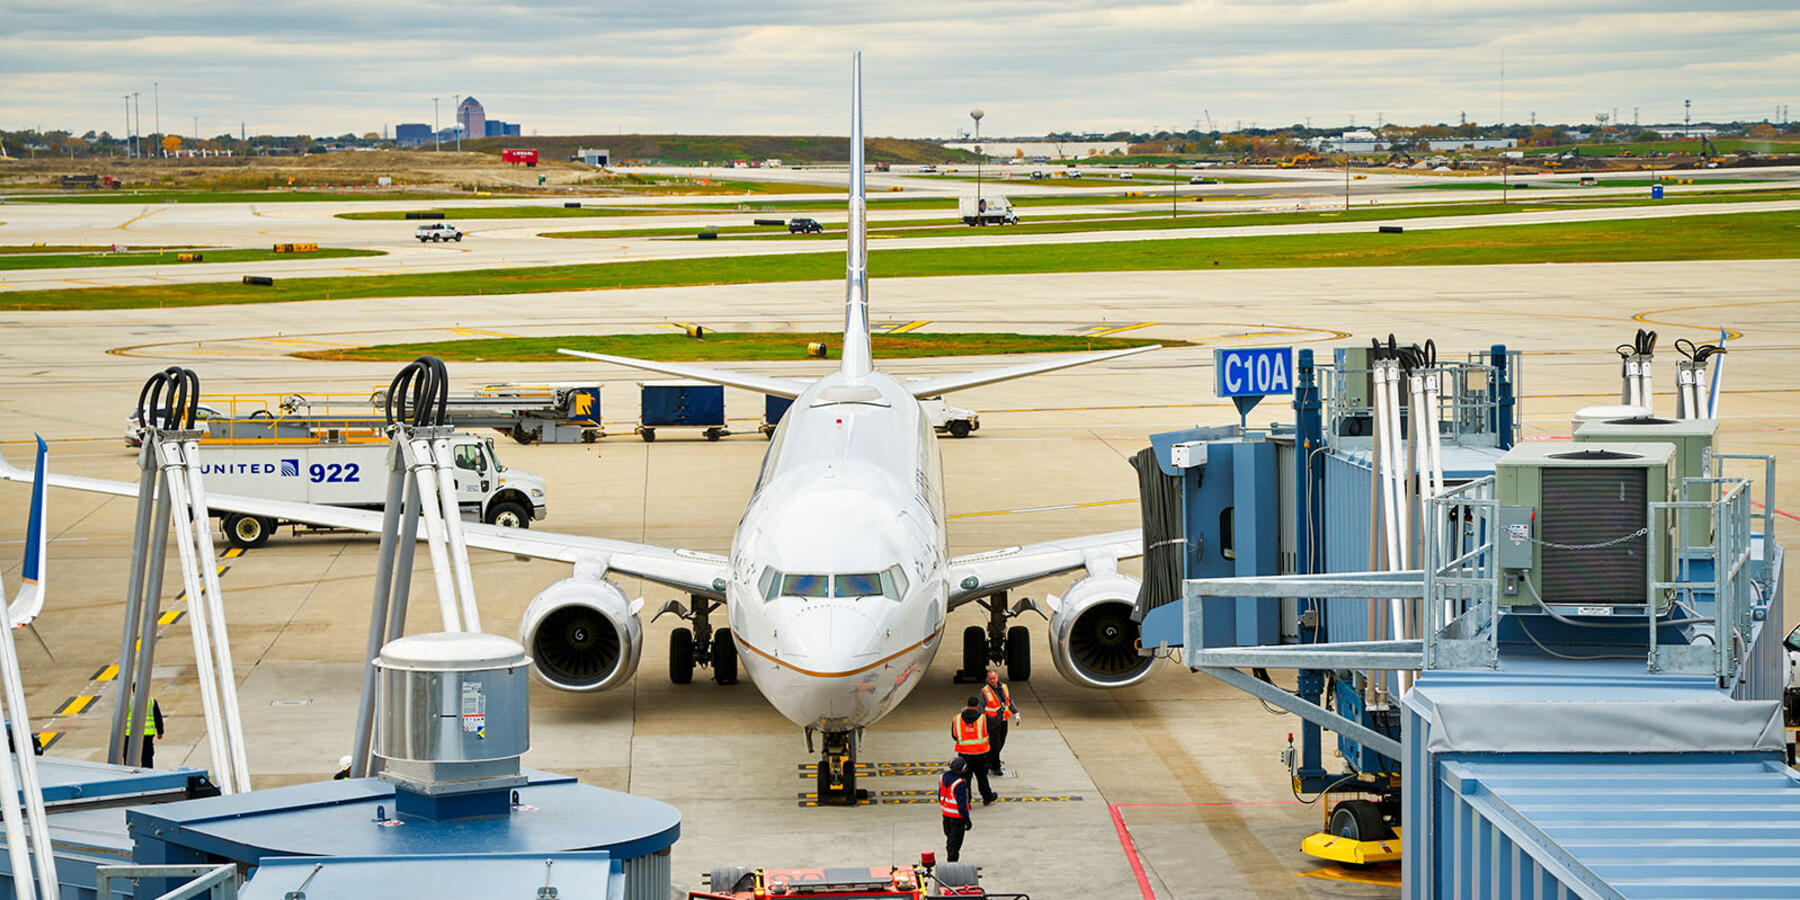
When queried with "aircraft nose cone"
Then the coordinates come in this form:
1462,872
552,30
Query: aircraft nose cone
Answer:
836,638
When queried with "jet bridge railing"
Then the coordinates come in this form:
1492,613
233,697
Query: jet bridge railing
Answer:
1462,577
1467,401
1727,585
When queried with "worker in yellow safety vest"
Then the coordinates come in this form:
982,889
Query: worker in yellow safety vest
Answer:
996,707
953,802
969,730
153,726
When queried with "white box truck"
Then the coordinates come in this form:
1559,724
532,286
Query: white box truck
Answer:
356,475
986,211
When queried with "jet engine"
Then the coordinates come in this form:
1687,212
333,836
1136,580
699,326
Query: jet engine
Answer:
1093,640
582,632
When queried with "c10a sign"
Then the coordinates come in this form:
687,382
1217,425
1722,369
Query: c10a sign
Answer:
1254,371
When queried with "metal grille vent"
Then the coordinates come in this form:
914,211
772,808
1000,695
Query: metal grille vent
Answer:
1588,506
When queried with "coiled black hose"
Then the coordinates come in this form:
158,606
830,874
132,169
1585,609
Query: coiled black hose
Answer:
420,394
183,389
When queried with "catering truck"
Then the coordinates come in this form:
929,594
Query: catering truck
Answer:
337,471
986,211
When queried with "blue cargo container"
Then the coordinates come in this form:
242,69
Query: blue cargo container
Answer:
682,404
773,409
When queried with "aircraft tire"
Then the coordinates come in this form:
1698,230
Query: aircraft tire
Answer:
1018,654
974,651
724,657
681,656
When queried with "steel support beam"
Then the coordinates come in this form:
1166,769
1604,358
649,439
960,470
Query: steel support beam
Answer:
1324,718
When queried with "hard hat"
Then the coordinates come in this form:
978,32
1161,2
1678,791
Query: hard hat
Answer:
344,762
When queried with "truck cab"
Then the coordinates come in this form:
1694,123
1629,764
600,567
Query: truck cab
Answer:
489,491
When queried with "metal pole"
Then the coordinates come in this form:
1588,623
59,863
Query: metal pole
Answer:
436,141
146,653
214,609
198,625
403,563
453,536
156,114
363,740
134,597
456,110
29,786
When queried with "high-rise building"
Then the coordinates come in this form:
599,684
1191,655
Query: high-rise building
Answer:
412,133
472,118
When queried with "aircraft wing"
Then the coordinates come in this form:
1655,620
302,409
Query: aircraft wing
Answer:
685,570
943,384
763,384
985,573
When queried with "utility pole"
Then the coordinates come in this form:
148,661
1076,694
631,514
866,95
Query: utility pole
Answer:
1687,118
156,114
980,208
137,107
437,142
461,120
128,125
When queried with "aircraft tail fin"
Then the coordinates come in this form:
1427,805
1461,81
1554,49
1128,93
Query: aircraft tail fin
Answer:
858,358
30,599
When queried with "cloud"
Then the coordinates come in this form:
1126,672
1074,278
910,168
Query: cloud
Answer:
781,65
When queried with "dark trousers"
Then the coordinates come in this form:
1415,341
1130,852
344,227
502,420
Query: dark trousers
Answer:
149,756
996,742
954,828
978,767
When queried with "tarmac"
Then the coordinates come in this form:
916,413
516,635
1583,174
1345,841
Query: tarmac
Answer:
1178,778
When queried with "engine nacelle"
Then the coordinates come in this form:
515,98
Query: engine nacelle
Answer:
1093,640
583,633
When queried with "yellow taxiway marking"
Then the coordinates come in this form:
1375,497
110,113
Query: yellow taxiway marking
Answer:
910,326
75,705
129,222
271,340
1031,509
498,334
107,672
1103,330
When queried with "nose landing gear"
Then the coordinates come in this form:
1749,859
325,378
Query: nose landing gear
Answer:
837,769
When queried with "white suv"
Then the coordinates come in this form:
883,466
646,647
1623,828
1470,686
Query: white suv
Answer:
438,231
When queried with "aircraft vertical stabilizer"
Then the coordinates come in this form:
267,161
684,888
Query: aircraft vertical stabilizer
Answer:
30,599
858,358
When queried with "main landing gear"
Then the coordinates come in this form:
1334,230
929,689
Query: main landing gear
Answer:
837,769
700,645
998,643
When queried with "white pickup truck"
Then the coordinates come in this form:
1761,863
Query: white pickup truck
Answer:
356,475
438,231
946,418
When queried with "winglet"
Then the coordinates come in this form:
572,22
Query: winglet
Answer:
30,599
859,359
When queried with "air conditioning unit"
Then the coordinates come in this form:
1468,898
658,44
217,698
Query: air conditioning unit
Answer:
1567,516
1693,440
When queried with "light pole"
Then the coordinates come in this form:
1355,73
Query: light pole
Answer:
138,127
127,125
980,208
156,113
456,100
436,141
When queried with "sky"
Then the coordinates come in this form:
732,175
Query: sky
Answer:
327,67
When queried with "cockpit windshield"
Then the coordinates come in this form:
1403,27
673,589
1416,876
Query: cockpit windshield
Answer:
890,583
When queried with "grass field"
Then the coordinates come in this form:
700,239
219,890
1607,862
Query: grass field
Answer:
725,346
1766,235
167,257
513,212
1601,182
10,249
1690,147
177,195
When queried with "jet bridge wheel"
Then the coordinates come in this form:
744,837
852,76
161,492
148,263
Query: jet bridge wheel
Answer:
681,656
1359,820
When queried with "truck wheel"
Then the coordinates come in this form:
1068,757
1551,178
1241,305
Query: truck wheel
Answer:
648,434
509,514
725,660
519,434
458,239
959,428
590,435
712,434
247,532
681,656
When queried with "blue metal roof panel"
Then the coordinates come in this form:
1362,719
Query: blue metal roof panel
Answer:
66,780
1651,828
574,876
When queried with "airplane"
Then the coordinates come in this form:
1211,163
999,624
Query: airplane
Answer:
838,580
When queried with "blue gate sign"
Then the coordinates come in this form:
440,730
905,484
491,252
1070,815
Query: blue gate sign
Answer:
1254,371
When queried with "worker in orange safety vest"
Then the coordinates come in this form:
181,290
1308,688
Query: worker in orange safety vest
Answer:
953,802
996,707
969,730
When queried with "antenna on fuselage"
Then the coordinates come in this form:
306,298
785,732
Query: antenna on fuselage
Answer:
858,359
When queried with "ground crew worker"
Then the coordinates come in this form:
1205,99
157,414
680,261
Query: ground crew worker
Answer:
969,729
953,802
996,706
153,726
